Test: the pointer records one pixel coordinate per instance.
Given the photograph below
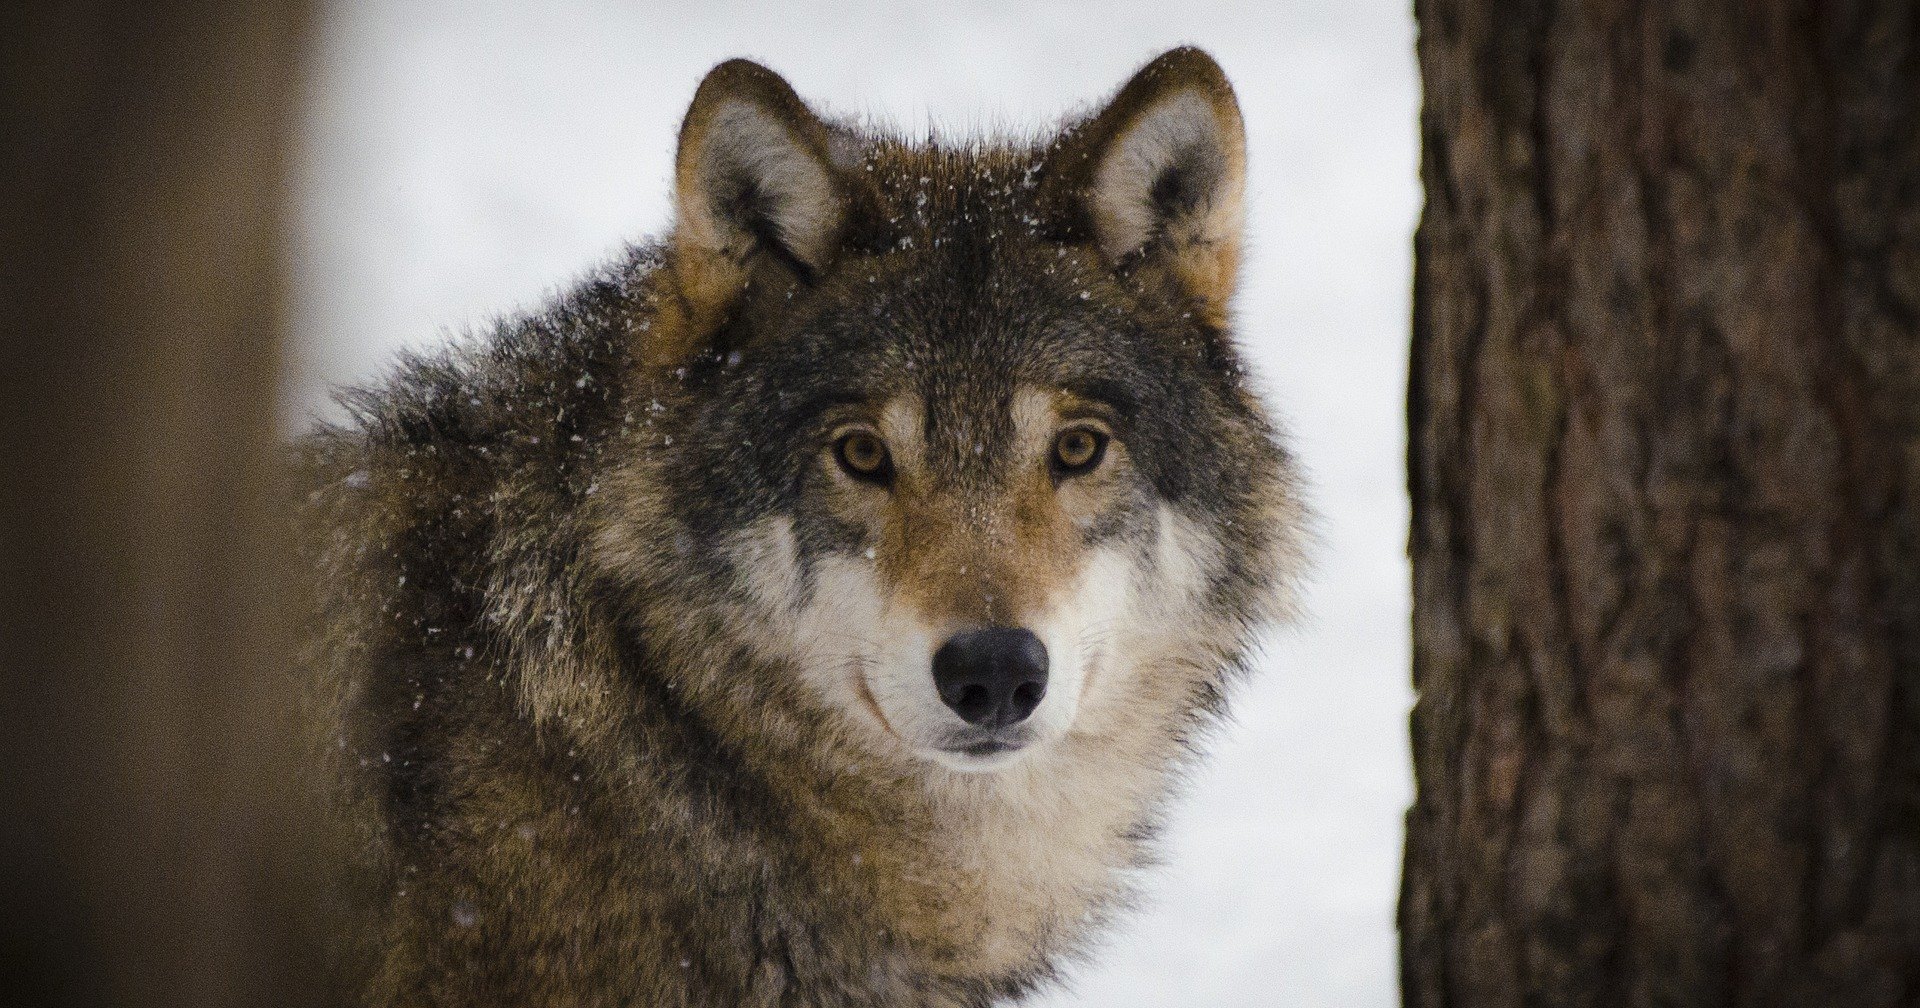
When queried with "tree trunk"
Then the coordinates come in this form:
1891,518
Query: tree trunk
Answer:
154,846
1665,466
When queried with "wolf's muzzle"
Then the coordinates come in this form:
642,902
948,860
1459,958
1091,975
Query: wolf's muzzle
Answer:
993,677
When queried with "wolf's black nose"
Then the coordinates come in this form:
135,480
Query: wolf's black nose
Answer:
993,677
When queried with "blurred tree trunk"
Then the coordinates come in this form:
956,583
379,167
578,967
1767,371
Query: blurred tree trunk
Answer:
152,834
1665,466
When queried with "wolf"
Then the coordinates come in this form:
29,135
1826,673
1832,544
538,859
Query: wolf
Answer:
816,606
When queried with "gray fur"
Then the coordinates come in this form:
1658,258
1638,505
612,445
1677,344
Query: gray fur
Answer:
578,766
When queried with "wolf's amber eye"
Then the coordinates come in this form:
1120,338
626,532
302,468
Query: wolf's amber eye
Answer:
863,456
1078,450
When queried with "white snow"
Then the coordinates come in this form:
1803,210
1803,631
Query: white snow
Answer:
465,159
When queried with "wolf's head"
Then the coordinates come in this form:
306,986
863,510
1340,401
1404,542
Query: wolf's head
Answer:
954,438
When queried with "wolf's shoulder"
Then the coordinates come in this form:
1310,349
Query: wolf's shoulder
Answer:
484,447
517,401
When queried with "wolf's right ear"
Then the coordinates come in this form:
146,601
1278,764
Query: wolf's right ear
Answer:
754,176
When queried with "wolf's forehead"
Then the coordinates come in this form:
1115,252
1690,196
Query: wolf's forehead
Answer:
937,189
969,428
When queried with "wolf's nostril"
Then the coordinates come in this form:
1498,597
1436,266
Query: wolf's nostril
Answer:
1025,698
974,702
993,677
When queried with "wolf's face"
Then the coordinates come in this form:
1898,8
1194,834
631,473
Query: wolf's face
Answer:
973,489
963,429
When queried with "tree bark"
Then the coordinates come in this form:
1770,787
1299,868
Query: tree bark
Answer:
1664,459
154,844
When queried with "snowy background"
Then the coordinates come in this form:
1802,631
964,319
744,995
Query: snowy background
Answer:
468,158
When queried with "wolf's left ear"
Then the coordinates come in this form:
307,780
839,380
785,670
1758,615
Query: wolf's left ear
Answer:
1160,174
754,177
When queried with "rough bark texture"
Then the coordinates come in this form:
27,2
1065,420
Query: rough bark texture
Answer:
1665,469
152,851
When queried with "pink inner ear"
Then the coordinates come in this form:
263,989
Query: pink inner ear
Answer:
1183,139
1172,181
752,177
